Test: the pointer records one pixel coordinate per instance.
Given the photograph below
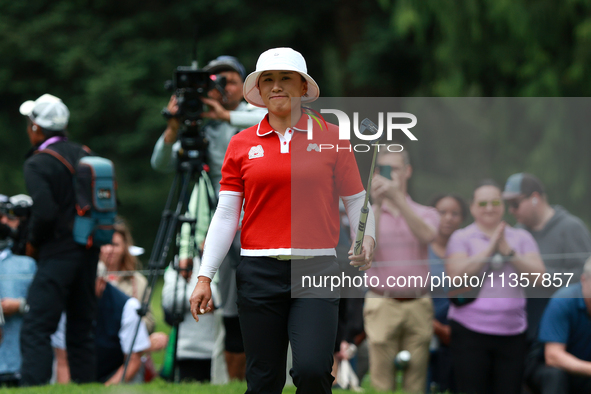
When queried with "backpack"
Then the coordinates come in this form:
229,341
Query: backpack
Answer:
95,192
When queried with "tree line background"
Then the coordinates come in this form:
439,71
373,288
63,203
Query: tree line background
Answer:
108,61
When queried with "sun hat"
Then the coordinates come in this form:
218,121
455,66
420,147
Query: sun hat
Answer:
47,111
284,59
522,184
225,63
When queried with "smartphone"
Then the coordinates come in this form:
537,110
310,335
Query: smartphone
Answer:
386,172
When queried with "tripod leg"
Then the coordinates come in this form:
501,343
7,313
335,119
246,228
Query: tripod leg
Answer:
165,234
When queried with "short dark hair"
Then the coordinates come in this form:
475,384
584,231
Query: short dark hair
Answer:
461,202
486,182
530,184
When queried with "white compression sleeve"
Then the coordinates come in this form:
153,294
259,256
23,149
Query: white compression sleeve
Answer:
221,233
353,205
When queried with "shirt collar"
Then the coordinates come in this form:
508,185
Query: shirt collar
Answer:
4,254
264,127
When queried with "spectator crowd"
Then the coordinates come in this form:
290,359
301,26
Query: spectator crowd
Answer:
69,312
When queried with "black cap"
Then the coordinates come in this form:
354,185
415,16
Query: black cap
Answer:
226,63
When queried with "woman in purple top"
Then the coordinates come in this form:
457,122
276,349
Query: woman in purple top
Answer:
488,334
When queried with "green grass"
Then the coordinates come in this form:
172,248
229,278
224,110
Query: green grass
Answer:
156,306
157,387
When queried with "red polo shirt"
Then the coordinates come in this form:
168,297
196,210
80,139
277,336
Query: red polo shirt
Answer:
290,187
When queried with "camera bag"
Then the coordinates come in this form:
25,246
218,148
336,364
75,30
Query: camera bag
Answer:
96,204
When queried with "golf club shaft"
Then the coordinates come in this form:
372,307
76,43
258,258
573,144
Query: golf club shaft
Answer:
365,210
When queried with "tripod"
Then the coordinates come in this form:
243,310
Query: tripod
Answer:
191,167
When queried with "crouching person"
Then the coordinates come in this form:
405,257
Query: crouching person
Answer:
116,321
565,332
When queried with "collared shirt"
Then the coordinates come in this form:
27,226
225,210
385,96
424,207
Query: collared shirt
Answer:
399,253
290,209
567,321
498,310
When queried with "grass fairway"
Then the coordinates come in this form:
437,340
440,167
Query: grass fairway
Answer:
158,387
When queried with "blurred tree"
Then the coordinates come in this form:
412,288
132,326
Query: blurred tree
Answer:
108,60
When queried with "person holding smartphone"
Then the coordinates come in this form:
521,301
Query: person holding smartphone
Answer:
399,317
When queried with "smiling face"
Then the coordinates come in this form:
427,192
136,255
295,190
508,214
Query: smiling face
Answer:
487,206
278,88
451,216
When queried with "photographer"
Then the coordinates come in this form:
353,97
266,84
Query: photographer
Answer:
16,274
65,269
16,210
228,114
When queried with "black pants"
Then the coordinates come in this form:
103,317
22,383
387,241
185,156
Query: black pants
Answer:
270,318
233,339
441,369
486,364
60,284
542,379
194,370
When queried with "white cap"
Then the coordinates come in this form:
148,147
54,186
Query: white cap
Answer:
47,111
21,199
282,59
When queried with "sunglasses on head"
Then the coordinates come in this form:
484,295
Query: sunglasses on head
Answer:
494,203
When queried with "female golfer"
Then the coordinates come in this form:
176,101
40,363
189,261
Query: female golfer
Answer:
290,189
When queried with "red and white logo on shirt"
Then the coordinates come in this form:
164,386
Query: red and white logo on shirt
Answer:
255,152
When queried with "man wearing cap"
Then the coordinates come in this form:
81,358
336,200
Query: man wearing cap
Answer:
564,242
563,239
226,116
65,270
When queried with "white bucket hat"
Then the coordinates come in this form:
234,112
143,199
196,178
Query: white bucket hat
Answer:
284,59
47,111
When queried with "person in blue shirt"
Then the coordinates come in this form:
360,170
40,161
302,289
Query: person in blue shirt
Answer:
565,332
16,274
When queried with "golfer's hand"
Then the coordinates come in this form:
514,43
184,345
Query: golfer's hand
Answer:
201,301
363,260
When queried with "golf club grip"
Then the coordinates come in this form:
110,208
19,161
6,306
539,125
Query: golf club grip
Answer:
360,231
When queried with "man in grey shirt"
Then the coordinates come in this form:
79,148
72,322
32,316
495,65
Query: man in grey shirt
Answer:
563,239
226,116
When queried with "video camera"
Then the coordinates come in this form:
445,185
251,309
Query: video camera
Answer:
190,85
